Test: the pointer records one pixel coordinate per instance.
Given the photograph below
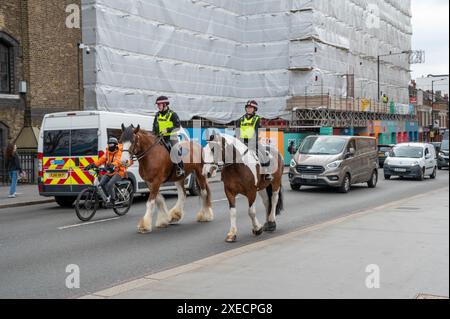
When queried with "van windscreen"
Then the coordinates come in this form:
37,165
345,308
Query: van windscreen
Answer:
61,143
56,143
319,145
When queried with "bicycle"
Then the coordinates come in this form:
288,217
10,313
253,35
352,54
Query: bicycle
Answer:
94,197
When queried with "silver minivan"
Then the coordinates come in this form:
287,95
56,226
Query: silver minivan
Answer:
335,161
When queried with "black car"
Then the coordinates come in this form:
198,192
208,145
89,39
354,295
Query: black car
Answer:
443,155
437,146
382,150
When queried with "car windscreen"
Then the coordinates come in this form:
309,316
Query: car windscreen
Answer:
407,152
384,149
444,146
56,143
319,145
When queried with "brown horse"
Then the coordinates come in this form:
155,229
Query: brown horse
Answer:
156,167
241,174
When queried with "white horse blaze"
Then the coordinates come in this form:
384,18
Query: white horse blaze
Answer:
126,155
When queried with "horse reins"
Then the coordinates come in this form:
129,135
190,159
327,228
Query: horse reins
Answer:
135,157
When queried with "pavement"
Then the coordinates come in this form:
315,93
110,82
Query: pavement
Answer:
39,242
26,195
398,250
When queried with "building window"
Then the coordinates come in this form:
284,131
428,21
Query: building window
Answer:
5,69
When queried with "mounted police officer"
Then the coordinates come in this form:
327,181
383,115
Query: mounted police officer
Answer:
249,126
167,123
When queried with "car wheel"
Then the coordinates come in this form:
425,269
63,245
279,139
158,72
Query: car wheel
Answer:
440,168
433,176
346,184
372,183
387,177
296,187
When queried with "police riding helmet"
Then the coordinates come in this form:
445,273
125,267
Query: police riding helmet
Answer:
252,104
163,99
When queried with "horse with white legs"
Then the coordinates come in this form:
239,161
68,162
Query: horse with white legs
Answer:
156,167
241,174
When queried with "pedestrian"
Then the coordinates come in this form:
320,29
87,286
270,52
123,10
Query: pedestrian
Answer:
13,167
291,149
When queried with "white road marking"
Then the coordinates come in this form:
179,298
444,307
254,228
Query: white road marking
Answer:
224,199
88,223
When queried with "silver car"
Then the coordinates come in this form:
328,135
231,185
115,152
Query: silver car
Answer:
335,161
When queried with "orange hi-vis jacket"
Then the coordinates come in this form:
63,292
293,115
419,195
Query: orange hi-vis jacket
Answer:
113,158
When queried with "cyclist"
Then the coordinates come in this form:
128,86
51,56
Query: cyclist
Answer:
116,169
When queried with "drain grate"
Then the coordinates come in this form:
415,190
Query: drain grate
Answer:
427,296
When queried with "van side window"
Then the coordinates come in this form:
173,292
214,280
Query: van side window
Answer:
112,132
84,142
351,144
427,151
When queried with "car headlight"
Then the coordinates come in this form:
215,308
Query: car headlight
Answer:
334,165
293,163
441,154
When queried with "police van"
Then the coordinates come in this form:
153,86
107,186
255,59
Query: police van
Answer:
70,141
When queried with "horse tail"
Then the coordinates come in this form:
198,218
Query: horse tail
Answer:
269,191
280,204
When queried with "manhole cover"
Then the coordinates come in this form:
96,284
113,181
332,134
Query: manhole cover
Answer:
426,296
407,208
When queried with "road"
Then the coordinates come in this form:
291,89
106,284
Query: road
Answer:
37,243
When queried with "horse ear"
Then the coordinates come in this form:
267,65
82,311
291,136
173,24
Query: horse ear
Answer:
123,127
137,129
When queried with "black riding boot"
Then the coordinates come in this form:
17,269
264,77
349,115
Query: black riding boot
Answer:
180,169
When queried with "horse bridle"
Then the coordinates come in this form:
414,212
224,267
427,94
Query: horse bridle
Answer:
135,157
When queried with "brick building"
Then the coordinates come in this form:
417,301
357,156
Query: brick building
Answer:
37,48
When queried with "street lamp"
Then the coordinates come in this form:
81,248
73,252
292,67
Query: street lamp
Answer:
432,89
379,63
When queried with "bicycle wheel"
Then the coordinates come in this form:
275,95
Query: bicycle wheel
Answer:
124,197
86,204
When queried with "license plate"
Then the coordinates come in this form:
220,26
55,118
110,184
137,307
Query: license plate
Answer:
57,175
401,170
312,177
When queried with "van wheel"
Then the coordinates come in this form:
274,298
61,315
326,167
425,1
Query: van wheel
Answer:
433,176
421,177
372,183
296,187
346,185
65,201
194,190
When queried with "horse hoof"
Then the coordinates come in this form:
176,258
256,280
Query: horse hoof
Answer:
231,239
144,231
270,227
258,232
162,226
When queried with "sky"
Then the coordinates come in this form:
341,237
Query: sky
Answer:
431,33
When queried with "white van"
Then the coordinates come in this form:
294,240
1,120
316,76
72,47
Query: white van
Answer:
416,160
70,141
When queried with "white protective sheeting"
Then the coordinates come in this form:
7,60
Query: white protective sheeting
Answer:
211,56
